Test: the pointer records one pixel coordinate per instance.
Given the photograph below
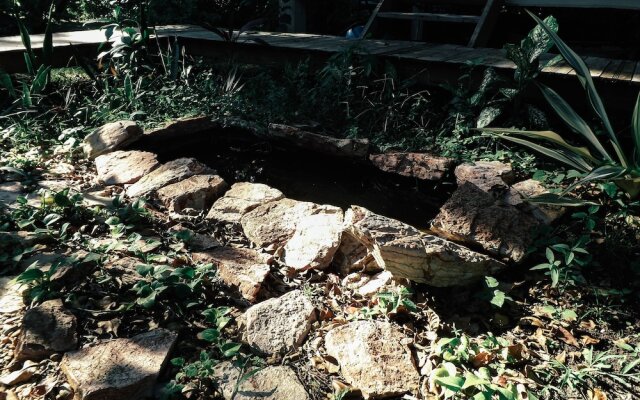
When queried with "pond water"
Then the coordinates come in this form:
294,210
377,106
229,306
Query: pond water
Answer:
304,175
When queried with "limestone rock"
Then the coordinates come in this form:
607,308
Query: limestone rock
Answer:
353,256
271,225
373,358
10,295
111,137
123,270
242,269
355,148
408,253
315,240
474,217
197,192
125,167
166,174
416,165
120,368
489,176
370,285
9,192
518,193
280,325
46,329
270,383
184,127
240,199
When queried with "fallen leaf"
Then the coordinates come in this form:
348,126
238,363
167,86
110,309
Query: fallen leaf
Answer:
562,357
533,321
566,336
597,394
518,352
588,340
482,359
588,325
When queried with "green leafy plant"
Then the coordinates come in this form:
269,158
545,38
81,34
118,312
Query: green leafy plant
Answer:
164,283
390,303
596,162
564,262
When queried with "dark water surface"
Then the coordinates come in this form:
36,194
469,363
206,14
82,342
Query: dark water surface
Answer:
303,175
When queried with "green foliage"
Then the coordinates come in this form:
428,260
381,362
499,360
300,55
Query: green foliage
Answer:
467,368
564,262
171,286
390,303
595,161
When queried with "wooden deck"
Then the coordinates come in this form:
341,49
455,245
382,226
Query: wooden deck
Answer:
425,56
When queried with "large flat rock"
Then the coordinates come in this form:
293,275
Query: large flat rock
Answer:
273,224
315,240
373,358
270,383
489,176
408,253
120,368
125,167
351,148
46,329
197,192
240,199
280,325
110,137
519,192
242,269
166,174
473,216
415,165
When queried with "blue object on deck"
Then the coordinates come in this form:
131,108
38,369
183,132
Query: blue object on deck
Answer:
355,32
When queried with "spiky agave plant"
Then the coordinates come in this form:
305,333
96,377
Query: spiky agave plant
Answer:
596,160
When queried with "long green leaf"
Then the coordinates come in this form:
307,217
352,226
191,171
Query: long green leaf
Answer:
605,172
584,76
30,57
47,44
571,118
555,154
552,137
7,83
41,80
635,125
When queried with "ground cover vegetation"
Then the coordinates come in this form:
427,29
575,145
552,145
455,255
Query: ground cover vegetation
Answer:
563,325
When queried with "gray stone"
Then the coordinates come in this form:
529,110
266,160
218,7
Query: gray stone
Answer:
410,254
197,192
111,137
273,224
9,192
120,368
519,192
125,167
166,174
242,269
315,240
473,216
123,270
280,325
46,329
489,176
374,358
270,383
240,199
352,148
416,165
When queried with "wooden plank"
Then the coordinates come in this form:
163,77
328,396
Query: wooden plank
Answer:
611,69
625,72
596,65
431,17
636,73
487,22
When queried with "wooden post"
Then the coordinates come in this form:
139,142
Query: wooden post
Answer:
293,15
